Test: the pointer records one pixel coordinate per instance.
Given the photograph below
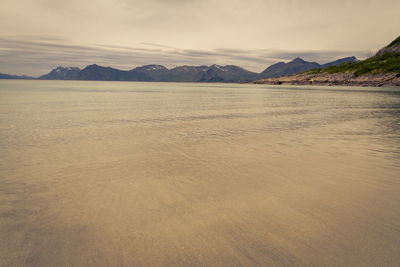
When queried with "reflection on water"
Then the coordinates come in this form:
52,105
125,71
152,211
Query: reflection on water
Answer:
115,173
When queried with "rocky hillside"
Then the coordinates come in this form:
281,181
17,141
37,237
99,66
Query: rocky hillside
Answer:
383,69
329,79
393,47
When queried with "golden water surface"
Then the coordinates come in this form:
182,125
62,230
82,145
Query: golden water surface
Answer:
145,174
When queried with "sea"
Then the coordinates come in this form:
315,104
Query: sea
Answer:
97,173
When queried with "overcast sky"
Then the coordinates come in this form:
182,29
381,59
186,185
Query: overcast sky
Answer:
38,35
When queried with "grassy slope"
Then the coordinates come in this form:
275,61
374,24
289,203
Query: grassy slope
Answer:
387,63
395,42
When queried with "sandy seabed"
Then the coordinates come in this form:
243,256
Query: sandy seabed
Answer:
198,176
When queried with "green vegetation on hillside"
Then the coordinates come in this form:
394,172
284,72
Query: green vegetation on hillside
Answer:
387,63
395,42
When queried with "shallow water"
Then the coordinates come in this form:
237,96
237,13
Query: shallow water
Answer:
120,173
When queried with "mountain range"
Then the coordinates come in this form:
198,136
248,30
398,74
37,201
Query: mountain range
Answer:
214,73
159,73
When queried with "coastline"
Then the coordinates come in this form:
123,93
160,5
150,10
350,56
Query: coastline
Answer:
330,79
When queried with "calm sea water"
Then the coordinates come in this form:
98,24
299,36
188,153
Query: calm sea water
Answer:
119,173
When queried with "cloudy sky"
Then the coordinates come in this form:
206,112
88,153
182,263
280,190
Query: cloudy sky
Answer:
38,35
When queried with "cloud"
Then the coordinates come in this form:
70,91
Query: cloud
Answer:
156,45
37,35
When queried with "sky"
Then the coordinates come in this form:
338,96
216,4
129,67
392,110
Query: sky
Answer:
39,35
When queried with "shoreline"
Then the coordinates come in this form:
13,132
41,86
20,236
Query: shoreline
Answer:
335,79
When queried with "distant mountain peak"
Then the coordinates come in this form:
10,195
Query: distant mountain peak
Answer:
151,67
292,67
93,66
62,73
298,60
340,61
61,68
298,65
